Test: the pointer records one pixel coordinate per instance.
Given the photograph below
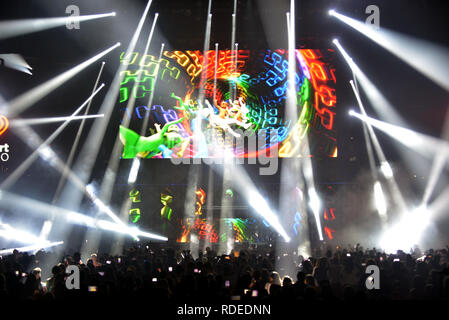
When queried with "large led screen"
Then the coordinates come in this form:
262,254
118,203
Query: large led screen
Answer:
184,104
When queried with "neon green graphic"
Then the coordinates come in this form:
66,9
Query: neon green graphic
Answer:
136,145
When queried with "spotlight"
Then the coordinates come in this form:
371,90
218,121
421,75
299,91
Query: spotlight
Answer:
34,247
315,205
429,58
32,96
113,14
379,198
382,106
14,28
408,231
37,121
90,189
134,170
43,149
16,62
335,41
9,200
331,12
22,236
315,202
45,231
351,113
261,206
386,169
102,207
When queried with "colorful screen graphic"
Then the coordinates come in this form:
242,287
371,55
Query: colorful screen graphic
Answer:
187,104
224,215
163,210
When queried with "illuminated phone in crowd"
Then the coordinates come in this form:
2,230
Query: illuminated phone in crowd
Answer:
92,288
101,273
227,283
254,293
170,269
154,279
195,270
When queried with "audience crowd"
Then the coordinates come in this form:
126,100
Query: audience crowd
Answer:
256,275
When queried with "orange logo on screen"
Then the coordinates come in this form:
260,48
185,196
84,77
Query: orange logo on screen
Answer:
4,124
